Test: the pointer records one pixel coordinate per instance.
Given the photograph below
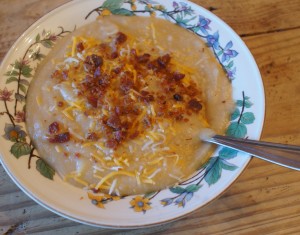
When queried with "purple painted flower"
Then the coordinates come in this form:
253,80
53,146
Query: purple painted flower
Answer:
13,133
183,7
203,24
213,40
175,5
231,73
228,53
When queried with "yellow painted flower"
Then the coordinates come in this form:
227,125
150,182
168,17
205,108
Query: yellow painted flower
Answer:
133,7
140,204
97,199
106,12
153,13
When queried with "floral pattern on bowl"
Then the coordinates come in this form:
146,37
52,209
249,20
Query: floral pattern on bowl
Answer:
186,195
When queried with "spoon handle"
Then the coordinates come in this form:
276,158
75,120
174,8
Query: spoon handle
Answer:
281,154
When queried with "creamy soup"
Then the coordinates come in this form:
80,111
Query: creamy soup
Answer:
118,105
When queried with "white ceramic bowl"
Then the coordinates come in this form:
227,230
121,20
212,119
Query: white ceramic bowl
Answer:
138,210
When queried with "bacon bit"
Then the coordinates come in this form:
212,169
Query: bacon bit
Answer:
143,58
104,80
119,135
178,76
91,62
117,70
53,128
114,55
93,101
56,74
126,81
92,136
60,104
134,135
111,143
177,97
114,122
146,96
80,47
194,105
120,38
164,60
60,138
77,155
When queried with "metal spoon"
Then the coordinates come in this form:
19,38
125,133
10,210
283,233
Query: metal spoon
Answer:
281,154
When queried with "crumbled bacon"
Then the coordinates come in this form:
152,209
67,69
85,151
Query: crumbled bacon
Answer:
114,122
79,47
120,38
143,58
164,60
178,76
92,136
111,143
53,128
60,138
126,81
195,105
107,90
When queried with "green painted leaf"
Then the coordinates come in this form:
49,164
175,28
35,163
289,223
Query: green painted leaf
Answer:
112,4
22,88
19,149
192,188
26,71
11,79
17,65
220,53
38,38
230,64
213,173
239,103
227,153
47,43
235,114
24,82
45,169
247,98
227,165
19,97
211,162
12,73
177,190
247,118
236,129
122,11
248,104
147,195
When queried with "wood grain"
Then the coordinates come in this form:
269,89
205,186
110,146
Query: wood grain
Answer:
265,198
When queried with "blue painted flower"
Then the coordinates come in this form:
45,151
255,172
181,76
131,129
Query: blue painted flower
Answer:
231,73
13,133
203,24
183,7
228,53
166,201
213,40
183,199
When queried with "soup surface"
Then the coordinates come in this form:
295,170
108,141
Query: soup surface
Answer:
118,105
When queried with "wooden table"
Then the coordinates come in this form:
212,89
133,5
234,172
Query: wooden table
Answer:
266,198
